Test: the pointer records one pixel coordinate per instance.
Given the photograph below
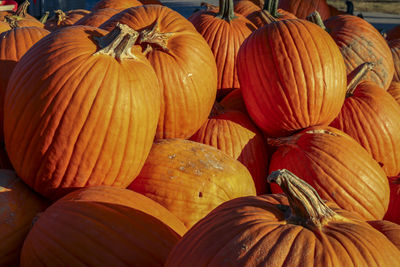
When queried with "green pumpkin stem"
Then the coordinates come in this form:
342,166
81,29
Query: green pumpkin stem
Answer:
118,42
226,10
307,207
44,18
354,78
272,7
22,9
315,18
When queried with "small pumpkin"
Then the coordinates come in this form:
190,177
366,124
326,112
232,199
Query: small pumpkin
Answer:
20,18
63,19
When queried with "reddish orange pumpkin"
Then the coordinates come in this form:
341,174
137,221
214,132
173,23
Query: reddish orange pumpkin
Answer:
292,76
18,207
393,213
121,5
394,90
184,64
191,179
81,109
395,48
389,229
61,19
272,230
234,100
98,17
360,42
333,11
339,168
102,226
303,8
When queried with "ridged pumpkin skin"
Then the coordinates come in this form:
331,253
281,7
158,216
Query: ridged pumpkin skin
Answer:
303,8
395,48
98,17
393,33
185,67
371,117
234,100
102,226
74,118
61,19
235,134
4,26
190,179
292,76
18,207
360,42
339,169
393,212
123,4
256,231
394,91
389,229
13,45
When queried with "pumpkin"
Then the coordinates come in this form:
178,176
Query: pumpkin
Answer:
234,100
292,76
224,31
275,230
333,11
184,64
121,5
4,26
21,12
389,229
98,17
394,91
61,19
360,42
395,48
339,168
393,213
190,179
13,45
393,33
20,18
19,205
102,226
303,8
371,116
81,109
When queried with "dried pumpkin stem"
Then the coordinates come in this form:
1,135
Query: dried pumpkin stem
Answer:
118,42
226,12
44,18
154,36
272,7
12,21
23,9
60,16
307,208
315,18
356,76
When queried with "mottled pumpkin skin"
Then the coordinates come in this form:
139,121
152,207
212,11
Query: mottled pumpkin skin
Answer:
360,42
98,17
389,229
394,91
102,226
303,8
191,179
253,231
186,69
371,117
395,48
292,76
338,168
74,118
18,207
13,45
393,213
70,18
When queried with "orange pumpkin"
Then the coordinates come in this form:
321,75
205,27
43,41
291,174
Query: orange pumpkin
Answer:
102,226
98,17
4,26
61,19
303,8
395,48
124,4
389,229
234,100
20,18
394,91
81,109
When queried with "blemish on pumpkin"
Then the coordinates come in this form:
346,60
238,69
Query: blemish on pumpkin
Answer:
200,194
181,168
172,156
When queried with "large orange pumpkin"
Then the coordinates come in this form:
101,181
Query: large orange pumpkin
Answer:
18,207
81,109
184,64
275,230
339,168
190,179
292,76
98,17
393,212
102,226
61,19
395,48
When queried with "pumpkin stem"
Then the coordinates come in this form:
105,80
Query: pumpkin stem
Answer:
226,12
22,9
12,21
118,42
272,7
154,36
307,207
356,76
315,18
60,16
44,18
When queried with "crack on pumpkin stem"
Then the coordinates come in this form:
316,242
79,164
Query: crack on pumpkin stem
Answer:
154,36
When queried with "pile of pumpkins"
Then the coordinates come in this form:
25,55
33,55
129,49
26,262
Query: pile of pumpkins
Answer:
253,133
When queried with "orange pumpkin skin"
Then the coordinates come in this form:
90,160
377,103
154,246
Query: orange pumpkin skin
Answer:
360,42
393,213
4,26
389,229
98,17
224,35
395,48
13,45
393,33
190,179
339,169
282,99
121,5
184,64
102,226
255,231
234,100
394,91
74,118
303,8
235,134
61,19
19,205
333,11
371,117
